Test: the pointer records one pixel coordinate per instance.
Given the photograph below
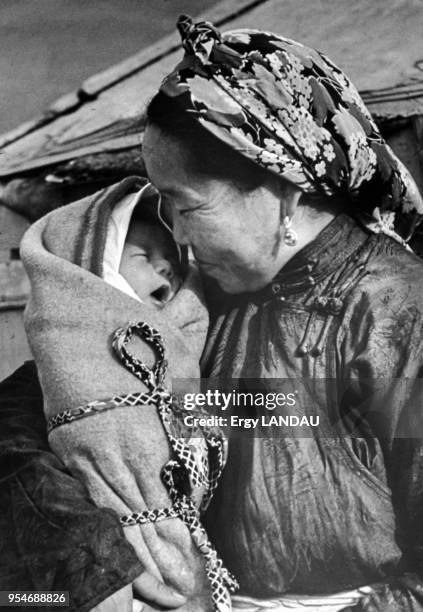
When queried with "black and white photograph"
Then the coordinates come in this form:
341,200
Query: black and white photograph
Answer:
211,305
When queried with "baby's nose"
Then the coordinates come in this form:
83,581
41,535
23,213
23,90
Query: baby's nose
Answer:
164,268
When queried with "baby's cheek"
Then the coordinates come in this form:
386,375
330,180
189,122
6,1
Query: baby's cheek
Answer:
124,263
136,277
125,269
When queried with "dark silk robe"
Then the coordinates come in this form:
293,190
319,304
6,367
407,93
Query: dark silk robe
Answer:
341,505
315,513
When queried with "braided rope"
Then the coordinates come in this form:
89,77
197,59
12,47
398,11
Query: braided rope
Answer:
221,581
98,406
153,377
149,516
205,475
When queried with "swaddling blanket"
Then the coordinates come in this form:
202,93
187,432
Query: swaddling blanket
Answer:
100,356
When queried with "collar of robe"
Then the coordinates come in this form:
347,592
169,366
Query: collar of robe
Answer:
335,252
334,245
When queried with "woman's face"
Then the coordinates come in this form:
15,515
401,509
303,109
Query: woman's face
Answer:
235,235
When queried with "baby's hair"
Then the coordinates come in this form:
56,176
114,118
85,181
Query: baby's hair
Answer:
147,211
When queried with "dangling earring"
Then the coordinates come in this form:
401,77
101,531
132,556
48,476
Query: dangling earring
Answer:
290,237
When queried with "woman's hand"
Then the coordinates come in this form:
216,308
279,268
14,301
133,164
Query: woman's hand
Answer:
147,588
151,590
121,601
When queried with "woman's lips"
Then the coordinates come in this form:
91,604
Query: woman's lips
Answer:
203,263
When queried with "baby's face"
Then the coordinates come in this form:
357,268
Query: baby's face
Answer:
150,263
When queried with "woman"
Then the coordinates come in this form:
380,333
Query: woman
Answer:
279,180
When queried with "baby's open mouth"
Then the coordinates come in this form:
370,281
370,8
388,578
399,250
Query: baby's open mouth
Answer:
166,291
162,294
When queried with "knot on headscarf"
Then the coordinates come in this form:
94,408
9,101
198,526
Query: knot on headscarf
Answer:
197,38
288,108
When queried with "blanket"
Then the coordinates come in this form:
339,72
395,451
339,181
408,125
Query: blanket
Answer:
99,354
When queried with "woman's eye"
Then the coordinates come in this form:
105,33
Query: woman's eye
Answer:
186,211
180,211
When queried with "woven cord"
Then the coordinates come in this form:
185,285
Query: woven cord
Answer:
183,507
130,399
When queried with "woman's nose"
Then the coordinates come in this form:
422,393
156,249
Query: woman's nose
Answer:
179,232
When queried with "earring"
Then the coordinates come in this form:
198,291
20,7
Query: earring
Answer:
290,237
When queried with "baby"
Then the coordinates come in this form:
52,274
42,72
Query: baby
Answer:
151,262
105,274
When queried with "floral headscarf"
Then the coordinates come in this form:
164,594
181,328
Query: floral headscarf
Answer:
290,109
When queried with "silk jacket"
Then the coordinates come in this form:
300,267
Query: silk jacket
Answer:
338,508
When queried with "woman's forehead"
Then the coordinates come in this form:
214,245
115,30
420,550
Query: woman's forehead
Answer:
167,160
168,169
174,170
159,149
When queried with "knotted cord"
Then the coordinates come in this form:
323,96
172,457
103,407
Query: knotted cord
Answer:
206,474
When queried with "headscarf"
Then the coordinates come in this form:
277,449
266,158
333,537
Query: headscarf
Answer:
288,108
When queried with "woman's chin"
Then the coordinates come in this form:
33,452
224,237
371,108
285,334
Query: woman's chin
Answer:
234,284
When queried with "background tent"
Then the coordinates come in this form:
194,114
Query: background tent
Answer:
93,136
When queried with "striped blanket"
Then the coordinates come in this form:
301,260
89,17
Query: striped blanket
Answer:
120,447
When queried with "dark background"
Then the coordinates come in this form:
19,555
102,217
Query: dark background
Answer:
47,47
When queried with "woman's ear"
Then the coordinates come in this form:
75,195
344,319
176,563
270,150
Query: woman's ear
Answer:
289,196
